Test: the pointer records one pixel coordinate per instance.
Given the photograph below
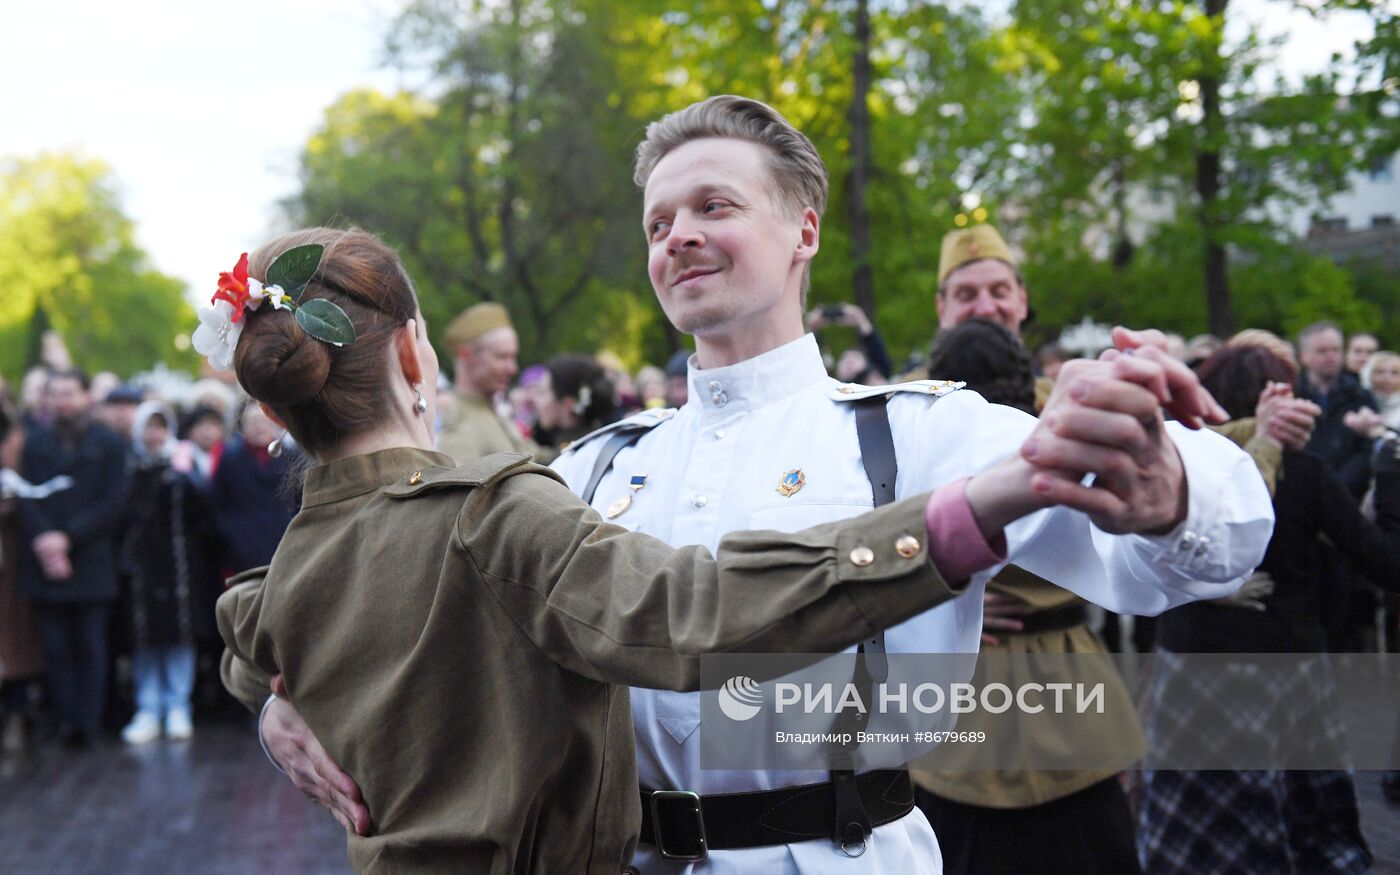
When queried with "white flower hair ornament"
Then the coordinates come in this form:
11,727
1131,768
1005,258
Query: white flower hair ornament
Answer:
221,323
585,398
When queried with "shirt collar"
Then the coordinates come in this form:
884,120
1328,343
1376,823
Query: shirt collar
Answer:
757,381
359,475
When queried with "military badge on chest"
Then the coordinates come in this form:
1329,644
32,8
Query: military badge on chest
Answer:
791,482
619,507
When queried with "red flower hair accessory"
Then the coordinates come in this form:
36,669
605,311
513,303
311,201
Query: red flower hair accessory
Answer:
287,278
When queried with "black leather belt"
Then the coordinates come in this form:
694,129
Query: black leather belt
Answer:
1065,617
690,825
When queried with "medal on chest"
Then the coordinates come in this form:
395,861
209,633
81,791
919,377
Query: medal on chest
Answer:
619,507
791,482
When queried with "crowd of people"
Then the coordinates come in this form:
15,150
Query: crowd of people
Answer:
124,512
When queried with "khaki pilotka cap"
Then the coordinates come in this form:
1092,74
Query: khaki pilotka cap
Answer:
473,322
971,244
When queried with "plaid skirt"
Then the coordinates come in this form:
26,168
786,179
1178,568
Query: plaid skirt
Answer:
1258,822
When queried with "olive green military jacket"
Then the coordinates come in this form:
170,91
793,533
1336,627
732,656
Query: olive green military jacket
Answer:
458,638
1116,738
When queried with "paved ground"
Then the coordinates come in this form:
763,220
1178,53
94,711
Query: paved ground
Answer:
214,807
1380,823
211,806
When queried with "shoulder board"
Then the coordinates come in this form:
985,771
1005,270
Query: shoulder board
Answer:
647,419
477,472
855,391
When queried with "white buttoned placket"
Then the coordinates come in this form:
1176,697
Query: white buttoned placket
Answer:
702,492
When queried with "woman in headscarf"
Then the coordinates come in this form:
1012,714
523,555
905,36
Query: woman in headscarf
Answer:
168,558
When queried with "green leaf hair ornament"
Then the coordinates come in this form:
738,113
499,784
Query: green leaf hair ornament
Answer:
221,323
325,321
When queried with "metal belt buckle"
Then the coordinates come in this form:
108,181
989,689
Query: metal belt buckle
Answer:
689,803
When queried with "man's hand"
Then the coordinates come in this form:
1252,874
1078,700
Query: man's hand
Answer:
52,548
851,315
57,567
1283,419
290,742
1104,418
856,318
50,542
1251,595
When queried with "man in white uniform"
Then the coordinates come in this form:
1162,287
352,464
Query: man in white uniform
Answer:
733,200
729,248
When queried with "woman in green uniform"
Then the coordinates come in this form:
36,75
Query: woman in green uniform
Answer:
460,638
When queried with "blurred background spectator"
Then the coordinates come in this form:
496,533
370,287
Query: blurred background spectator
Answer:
69,575
169,546
575,398
677,378
21,658
203,430
252,497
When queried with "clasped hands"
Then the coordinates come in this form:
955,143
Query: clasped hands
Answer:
1105,418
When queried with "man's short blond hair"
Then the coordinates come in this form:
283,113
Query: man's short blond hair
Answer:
799,174
800,178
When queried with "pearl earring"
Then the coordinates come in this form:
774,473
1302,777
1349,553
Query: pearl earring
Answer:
421,405
274,449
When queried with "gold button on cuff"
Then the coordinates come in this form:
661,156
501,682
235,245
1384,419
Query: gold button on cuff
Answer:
862,556
907,546
415,478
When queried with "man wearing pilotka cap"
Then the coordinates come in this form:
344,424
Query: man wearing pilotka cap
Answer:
1080,818
733,202
484,346
978,279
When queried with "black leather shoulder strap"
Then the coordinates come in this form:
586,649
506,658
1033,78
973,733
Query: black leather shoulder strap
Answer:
622,438
852,824
881,468
877,447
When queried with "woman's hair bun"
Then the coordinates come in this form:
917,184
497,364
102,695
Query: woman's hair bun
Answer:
279,363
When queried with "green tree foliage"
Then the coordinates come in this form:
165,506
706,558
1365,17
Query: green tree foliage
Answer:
1147,126
510,183
68,258
1079,126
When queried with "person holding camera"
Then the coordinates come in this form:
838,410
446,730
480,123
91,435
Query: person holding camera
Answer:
869,363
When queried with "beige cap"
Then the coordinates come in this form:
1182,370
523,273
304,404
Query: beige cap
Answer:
971,244
610,361
473,322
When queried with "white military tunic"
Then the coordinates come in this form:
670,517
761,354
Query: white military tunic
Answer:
714,467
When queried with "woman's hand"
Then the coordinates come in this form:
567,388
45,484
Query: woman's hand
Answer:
1105,418
1001,612
1283,419
1366,422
